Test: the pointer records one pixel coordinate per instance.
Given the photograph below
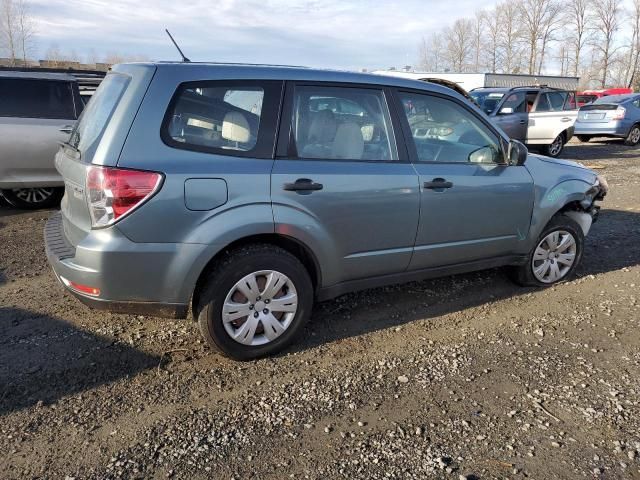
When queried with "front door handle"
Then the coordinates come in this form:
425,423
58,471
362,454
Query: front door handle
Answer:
438,183
66,129
303,185
522,122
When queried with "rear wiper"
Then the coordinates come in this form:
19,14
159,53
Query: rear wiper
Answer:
75,149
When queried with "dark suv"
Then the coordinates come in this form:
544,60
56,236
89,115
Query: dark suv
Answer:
246,192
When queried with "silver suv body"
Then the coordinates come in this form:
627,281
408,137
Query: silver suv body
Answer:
246,192
542,117
37,112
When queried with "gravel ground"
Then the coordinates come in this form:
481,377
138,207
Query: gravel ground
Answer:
462,377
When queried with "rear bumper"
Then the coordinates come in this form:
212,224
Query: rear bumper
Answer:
601,130
150,279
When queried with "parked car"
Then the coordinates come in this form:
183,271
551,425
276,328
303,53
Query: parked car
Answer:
542,117
246,192
589,96
615,116
38,109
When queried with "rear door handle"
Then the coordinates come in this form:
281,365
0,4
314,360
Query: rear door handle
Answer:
565,119
303,185
522,122
438,183
67,129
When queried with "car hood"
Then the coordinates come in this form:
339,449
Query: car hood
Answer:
560,161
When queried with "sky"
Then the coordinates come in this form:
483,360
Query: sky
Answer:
346,34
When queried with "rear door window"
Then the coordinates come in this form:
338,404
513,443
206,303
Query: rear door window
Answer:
342,123
36,98
225,117
552,102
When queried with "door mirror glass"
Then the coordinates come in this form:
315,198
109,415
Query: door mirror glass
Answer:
517,153
484,155
506,111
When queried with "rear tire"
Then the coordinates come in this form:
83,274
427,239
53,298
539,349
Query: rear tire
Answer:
584,138
545,258
554,149
236,310
33,198
634,136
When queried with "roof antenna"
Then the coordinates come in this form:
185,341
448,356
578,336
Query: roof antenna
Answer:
184,59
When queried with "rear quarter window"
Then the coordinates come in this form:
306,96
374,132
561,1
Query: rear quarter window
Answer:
226,117
36,98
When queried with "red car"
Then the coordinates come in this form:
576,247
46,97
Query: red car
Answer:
589,96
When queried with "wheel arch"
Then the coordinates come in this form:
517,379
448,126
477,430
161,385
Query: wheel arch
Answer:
292,245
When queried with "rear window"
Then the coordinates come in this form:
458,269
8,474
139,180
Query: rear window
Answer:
31,98
226,117
613,99
97,113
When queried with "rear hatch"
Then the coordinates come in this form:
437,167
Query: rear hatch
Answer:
98,139
596,112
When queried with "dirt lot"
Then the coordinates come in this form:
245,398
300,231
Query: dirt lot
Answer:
462,377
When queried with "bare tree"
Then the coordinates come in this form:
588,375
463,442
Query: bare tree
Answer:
430,53
538,19
579,20
458,40
8,29
493,21
607,15
17,30
54,56
634,46
26,28
511,36
550,26
477,40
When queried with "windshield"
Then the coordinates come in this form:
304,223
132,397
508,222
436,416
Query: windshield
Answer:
97,113
487,101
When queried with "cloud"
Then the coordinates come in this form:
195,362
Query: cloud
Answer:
328,33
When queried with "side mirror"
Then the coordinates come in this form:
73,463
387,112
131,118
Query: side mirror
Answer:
506,111
517,153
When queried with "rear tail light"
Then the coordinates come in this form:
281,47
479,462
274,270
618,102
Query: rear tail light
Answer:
113,193
617,114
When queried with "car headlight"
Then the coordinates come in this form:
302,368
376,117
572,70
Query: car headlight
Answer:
601,182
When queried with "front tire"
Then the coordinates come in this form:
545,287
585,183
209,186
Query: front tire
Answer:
584,138
255,301
556,255
634,136
554,149
33,198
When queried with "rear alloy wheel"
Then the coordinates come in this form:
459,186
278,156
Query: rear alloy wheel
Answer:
634,136
555,148
584,138
33,198
255,301
555,256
